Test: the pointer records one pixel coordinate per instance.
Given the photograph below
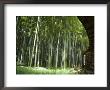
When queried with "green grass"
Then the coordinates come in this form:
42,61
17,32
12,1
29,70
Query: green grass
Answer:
32,70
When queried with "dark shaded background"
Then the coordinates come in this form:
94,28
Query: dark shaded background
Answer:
88,22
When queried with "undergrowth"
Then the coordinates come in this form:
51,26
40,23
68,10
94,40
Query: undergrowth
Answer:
33,70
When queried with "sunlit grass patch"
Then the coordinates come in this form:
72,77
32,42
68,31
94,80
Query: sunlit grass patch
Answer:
33,70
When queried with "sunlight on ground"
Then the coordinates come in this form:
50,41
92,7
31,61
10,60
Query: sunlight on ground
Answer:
42,70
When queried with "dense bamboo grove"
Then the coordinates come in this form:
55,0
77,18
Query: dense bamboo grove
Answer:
50,42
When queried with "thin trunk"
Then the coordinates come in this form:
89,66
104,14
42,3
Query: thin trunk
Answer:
37,41
32,55
29,57
84,59
64,55
50,55
21,59
38,60
36,46
35,56
57,51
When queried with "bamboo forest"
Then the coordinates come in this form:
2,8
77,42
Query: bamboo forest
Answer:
52,45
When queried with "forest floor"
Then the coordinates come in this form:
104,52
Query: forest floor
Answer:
42,70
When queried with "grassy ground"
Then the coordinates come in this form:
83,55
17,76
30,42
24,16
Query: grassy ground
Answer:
34,70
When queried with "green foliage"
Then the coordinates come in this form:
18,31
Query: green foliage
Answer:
49,41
